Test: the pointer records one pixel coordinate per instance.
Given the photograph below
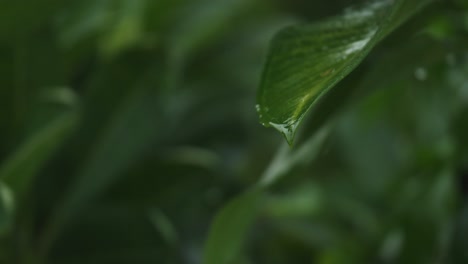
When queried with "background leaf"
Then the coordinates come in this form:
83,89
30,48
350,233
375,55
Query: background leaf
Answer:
19,170
230,228
6,209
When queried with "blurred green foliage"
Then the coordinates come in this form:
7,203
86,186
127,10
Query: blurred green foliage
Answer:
129,134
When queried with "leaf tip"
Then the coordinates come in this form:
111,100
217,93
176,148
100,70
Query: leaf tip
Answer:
287,129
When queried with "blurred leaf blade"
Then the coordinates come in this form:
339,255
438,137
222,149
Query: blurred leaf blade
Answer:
128,30
230,227
6,209
286,158
19,170
204,20
306,61
113,154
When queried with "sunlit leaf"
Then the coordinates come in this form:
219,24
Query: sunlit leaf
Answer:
306,61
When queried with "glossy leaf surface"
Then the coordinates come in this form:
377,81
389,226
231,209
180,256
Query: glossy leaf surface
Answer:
305,61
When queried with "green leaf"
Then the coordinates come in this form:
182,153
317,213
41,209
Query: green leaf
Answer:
6,209
128,30
19,170
230,228
286,158
306,61
134,126
85,19
202,22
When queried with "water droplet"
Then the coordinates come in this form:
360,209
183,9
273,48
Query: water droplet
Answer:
288,129
420,74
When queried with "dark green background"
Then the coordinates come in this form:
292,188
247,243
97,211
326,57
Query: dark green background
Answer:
126,125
